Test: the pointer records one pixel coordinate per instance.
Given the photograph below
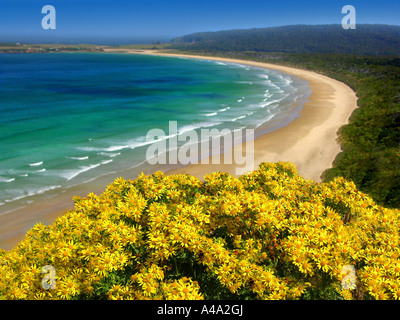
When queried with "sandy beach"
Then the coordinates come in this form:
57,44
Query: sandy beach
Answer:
310,142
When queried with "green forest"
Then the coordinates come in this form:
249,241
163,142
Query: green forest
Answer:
365,39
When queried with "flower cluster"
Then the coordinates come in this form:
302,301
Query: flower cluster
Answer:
269,234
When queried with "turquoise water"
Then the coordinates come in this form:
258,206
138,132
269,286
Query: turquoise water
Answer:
70,118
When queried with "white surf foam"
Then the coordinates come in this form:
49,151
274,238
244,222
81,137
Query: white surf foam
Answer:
20,194
106,149
78,158
106,161
36,164
69,174
199,125
6,180
111,155
238,118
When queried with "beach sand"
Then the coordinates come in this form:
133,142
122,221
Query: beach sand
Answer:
310,142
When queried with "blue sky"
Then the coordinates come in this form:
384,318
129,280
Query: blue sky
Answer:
142,21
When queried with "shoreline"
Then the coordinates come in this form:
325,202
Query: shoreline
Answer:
309,141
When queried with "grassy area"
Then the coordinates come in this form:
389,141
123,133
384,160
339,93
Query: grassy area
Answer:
21,48
26,48
146,46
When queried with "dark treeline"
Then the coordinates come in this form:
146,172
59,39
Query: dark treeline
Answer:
366,39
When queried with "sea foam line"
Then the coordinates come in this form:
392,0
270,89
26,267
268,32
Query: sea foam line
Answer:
238,118
78,158
129,145
267,103
36,164
111,155
106,149
70,174
191,127
29,193
6,180
106,161
139,143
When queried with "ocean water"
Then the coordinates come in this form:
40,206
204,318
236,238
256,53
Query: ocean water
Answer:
71,118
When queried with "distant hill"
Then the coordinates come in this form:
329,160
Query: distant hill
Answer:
366,39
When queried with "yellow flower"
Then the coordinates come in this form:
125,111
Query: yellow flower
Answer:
249,231
100,270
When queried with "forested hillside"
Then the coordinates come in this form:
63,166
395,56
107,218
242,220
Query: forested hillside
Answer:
366,39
